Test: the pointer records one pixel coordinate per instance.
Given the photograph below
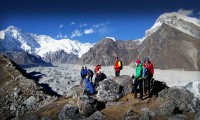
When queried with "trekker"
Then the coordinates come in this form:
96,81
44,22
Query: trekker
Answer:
97,68
85,72
90,74
82,76
138,79
89,87
117,67
99,77
148,78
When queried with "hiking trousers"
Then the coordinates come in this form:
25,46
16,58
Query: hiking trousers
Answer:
136,84
147,84
117,73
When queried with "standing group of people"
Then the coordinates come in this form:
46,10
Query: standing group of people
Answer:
86,72
142,78
144,73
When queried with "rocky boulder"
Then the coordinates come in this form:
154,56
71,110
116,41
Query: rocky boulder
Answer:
69,112
86,105
75,91
96,116
131,115
125,82
178,99
194,87
197,116
107,91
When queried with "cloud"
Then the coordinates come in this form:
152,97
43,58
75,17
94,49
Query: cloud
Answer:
76,33
72,23
102,28
60,36
199,14
89,31
185,12
61,26
83,25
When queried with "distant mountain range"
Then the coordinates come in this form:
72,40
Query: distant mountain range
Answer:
173,42
14,39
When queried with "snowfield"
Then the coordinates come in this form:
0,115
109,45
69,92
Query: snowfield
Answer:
63,77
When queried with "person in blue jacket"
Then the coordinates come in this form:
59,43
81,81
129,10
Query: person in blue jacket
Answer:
89,87
82,76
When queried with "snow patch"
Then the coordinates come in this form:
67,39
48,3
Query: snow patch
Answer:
2,34
112,38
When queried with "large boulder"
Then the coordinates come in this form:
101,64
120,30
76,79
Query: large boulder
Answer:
86,105
125,82
107,91
75,91
177,99
131,115
194,87
69,112
96,116
197,116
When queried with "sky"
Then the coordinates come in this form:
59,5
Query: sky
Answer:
90,20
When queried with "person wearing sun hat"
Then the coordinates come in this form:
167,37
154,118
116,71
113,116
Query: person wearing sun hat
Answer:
138,79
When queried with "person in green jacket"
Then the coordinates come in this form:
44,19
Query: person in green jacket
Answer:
138,79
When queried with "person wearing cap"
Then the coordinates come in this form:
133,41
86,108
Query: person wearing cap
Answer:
117,67
147,80
138,79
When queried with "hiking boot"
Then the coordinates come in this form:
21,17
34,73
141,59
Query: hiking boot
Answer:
140,99
135,95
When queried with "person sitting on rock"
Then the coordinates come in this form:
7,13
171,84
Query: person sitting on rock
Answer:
89,87
99,77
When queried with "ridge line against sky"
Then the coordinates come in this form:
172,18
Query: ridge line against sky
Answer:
91,20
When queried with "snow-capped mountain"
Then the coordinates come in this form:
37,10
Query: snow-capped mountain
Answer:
14,39
188,25
49,44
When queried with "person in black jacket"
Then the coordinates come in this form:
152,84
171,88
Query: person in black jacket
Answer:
90,74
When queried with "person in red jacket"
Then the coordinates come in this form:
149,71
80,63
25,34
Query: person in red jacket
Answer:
97,68
150,72
117,67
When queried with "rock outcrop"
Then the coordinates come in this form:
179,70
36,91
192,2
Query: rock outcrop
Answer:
126,84
19,95
108,91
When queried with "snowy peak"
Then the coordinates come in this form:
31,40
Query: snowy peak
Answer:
188,25
50,45
14,39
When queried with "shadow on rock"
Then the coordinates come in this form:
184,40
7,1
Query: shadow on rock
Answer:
36,76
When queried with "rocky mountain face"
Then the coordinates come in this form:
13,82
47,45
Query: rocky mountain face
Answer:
169,48
19,95
25,59
107,50
187,25
173,42
60,57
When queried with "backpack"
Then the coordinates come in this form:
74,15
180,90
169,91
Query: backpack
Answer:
121,67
